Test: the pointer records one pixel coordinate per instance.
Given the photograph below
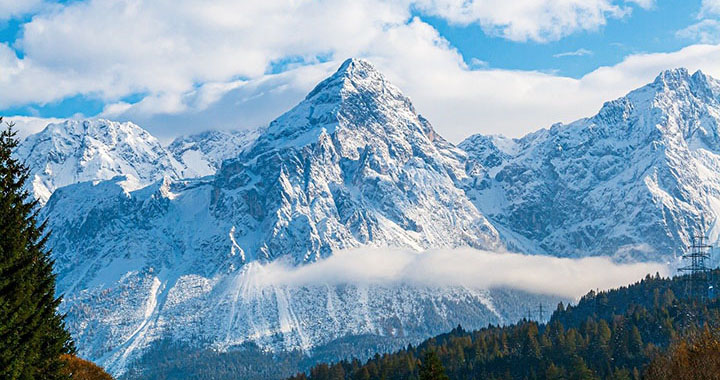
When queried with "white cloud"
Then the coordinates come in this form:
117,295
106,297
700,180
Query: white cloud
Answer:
537,20
234,105
457,100
464,267
205,66
110,48
645,4
706,32
709,7
477,63
166,48
577,53
13,8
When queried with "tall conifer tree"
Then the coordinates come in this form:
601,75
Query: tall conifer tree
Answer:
432,368
32,334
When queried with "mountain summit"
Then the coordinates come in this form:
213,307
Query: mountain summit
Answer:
635,181
357,101
85,150
352,165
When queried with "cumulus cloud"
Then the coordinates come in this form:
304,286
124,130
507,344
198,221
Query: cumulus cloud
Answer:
200,65
14,8
458,100
537,20
232,105
463,267
114,48
709,7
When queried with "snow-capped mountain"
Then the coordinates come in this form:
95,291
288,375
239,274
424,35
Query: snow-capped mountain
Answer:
635,181
351,165
354,165
75,151
203,153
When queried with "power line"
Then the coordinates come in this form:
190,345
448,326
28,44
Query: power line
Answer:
697,269
540,312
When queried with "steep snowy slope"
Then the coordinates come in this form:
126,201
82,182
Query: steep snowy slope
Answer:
203,153
75,151
635,180
351,165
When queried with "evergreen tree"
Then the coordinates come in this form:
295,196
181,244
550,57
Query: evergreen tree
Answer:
431,367
32,334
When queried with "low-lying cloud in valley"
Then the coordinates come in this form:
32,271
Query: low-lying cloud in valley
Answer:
464,267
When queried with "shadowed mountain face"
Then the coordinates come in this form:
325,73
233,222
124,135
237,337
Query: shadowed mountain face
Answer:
634,181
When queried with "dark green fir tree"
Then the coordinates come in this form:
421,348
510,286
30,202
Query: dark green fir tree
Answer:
432,368
32,334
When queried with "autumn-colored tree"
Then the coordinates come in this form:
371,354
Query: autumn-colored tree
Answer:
80,369
697,356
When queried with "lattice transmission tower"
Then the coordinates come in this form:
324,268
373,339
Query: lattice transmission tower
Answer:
697,269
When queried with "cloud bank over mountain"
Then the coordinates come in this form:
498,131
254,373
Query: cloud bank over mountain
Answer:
464,267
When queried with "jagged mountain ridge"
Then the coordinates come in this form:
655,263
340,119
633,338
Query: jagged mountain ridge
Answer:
352,165
76,151
635,181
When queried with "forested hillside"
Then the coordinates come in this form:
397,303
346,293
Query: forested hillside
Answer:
608,335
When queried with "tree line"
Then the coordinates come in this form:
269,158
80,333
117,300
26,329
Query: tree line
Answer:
618,334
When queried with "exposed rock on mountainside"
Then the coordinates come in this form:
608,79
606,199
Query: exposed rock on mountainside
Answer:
351,165
635,181
75,151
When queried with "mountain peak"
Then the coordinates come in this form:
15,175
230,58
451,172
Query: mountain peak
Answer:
357,96
353,75
673,76
357,68
93,149
698,82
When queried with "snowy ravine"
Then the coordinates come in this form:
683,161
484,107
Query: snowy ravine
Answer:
351,165
634,181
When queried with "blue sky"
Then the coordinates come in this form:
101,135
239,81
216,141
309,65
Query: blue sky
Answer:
180,66
643,31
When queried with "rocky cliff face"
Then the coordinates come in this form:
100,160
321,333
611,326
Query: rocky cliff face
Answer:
634,181
351,165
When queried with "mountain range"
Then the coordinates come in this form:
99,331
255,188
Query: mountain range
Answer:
155,242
